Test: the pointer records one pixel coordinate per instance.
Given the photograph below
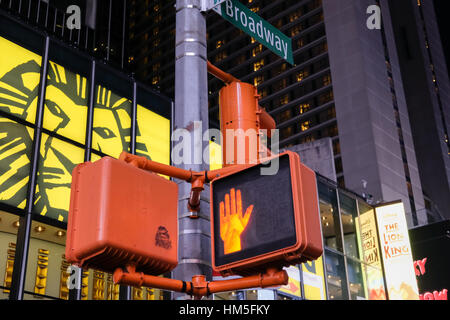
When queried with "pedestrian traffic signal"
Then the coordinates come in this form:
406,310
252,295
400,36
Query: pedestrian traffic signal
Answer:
121,215
260,221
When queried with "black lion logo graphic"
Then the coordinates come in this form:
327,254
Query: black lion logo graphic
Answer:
162,238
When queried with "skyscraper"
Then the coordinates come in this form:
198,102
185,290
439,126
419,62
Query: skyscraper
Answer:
427,90
349,82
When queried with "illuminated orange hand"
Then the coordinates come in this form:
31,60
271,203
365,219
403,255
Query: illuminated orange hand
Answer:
232,221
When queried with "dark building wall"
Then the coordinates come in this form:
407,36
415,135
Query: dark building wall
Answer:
372,119
427,88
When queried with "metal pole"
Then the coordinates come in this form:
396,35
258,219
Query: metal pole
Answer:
191,110
23,237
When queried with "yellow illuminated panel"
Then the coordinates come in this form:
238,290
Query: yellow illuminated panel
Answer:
41,271
58,159
313,280
65,110
112,123
138,294
98,286
19,80
150,294
64,275
15,154
84,285
152,136
9,266
112,289
215,156
232,221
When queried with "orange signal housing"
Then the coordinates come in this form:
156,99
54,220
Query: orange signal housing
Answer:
309,244
121,215
239,110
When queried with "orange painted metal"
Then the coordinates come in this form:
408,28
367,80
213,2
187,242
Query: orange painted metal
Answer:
120,214
239,123
197,179
307,223
199,287
243,118
219,74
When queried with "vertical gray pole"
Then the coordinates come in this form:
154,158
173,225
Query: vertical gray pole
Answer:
191,109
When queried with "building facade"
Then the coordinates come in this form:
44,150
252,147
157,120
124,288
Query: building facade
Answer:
60,107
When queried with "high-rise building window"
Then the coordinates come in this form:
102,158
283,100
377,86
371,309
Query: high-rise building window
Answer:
220,56
296,30
286,132
258,80
258,65
305,125
256,50
326,80
302,75
304,107
295,15
284,116
326,97
219,43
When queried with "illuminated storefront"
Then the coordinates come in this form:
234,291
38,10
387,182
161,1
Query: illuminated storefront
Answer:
59,108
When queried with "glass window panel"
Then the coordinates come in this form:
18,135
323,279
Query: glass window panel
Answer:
336,277
349,217
329,215
16,142
356,280
65,110
112,123
152,136
9,224
252,295
56,163
281,296
230,295
19,80
46,266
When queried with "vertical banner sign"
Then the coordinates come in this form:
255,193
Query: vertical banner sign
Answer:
396,252
262,31
366,229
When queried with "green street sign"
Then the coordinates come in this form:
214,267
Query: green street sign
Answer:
262,31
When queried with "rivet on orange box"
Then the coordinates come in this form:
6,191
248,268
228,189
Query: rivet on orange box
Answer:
120,214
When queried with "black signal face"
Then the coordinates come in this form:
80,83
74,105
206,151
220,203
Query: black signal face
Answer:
253,214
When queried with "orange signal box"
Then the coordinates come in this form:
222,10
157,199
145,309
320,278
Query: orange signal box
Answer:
121,215
265,221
